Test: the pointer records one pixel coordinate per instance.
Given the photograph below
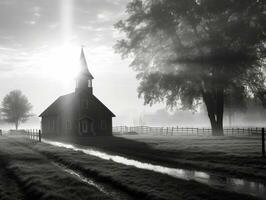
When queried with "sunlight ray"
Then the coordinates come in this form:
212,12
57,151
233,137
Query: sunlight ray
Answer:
66,19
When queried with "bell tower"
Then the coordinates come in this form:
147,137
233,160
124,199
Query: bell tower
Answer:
84,78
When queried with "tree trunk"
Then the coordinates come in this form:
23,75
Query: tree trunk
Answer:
219,110
215,107
16,125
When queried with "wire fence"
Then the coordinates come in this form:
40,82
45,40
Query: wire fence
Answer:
182,131
36,134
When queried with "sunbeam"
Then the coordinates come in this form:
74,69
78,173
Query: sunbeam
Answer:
66,19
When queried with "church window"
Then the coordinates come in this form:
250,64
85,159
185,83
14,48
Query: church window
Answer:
103,124
84,126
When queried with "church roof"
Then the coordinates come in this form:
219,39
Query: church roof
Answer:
84,70
69,101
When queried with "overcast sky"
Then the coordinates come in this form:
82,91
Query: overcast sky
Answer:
40,44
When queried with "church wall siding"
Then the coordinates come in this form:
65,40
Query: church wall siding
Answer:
50,125
67,124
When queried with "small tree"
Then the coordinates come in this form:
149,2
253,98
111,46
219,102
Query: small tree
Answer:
16,108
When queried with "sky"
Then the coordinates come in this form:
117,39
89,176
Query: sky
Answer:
40,43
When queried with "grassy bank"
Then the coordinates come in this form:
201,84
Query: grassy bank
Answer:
9,188
141,184
237,156
29,175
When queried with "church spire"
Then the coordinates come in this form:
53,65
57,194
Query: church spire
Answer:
83,65
84,78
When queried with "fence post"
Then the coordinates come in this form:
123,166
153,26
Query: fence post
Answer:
263,142
40,136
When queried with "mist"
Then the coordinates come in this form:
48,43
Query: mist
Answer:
253,116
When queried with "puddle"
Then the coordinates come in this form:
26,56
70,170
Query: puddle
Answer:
214,180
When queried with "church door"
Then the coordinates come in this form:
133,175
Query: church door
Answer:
86,127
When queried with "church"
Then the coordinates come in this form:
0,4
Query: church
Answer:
79,113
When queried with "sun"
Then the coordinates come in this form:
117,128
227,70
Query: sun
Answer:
61,63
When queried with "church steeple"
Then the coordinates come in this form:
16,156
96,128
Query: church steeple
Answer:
84,78
83,65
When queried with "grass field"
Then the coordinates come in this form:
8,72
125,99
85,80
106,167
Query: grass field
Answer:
36,177
26,174
237,156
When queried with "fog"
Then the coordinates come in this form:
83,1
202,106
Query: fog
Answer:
253,116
